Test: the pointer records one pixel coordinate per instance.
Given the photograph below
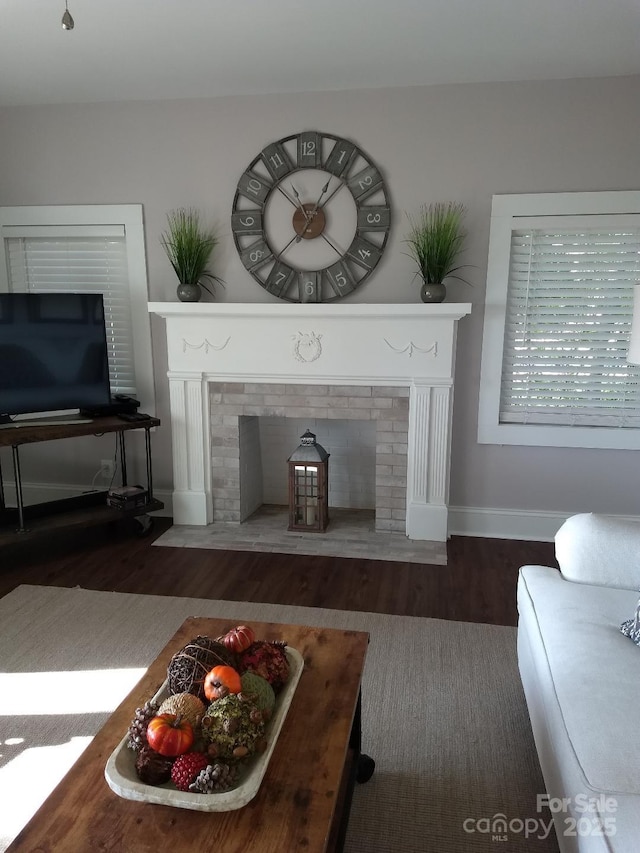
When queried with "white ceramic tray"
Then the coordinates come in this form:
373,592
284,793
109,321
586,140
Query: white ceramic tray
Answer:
121,774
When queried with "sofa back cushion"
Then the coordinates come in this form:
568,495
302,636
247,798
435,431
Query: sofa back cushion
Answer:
596,549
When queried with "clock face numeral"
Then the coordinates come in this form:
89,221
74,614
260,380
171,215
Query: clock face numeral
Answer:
364,253
309,150
365,182
309,284
256,255
277,161
373,218
340,279
279,279
248,222
290,233
340,158
254,187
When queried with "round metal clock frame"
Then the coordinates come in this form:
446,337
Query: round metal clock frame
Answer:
351,246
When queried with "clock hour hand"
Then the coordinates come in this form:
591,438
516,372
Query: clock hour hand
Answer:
288,197
299,204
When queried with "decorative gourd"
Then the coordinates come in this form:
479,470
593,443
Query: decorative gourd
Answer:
221,681
170,734
191,708
239,638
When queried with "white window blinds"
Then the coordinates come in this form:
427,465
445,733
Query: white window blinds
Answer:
568,316
85,259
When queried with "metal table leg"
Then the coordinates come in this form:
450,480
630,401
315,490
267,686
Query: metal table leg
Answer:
18,479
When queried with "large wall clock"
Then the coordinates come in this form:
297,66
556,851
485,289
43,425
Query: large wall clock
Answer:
311,217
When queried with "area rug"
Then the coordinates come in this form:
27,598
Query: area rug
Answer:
444,715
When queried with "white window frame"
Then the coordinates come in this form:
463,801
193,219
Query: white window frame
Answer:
507,211
128,216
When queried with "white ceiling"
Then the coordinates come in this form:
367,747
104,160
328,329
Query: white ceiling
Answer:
151,49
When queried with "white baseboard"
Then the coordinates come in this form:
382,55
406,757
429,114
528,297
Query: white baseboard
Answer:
493,523
490,523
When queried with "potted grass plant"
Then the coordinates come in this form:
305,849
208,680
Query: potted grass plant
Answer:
435,242
189,247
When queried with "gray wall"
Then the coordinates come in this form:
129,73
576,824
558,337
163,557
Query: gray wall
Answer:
458,142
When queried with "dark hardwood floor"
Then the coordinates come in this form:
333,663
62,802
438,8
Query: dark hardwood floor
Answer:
477,585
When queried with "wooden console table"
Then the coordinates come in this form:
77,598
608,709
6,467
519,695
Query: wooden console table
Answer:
81,510
303,802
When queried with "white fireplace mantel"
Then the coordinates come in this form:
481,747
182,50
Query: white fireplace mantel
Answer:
327,344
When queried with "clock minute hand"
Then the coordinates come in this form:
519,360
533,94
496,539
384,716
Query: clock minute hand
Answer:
324,190
337,190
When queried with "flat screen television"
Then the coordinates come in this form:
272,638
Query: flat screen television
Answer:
53,353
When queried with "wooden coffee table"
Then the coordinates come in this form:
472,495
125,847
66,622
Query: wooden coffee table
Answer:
305,796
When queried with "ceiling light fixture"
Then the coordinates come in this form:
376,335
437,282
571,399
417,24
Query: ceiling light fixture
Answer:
67,21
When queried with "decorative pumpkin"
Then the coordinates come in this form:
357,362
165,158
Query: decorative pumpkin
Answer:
239,638
170,734
221,681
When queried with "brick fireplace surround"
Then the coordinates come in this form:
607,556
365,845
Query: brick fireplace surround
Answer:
393,364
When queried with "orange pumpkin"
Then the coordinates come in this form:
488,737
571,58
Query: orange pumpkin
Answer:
221,681
170,734
239,638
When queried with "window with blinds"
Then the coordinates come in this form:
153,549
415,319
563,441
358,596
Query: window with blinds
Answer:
567,325
558,306
84,259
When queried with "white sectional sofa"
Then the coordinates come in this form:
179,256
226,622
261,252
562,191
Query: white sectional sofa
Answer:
581,678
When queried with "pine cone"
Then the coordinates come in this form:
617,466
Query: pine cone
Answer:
153,768
214,779
138,727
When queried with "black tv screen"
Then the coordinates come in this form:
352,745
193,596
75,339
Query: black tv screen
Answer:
53,352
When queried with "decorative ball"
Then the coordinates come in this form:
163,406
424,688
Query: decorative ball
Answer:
188,667
233,728
268,659
260,692
187,705
186,768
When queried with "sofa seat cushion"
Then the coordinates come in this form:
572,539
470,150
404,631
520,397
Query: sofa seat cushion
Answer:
595,672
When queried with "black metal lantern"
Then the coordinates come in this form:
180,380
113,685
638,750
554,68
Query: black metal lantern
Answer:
309,486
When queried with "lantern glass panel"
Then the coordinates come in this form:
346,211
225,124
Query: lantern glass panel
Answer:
306,494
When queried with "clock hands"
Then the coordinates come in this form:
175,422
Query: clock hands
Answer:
337,189
288,197
296,238
299,204
309,213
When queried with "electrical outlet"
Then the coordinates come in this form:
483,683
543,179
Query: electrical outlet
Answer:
106,468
